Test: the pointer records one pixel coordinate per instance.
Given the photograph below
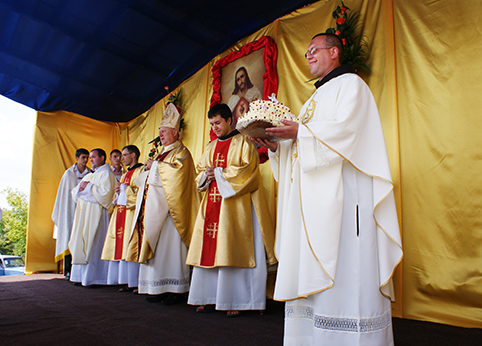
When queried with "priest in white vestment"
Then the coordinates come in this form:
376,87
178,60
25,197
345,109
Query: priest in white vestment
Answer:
337,240
166,207
234,234
94,196
64,207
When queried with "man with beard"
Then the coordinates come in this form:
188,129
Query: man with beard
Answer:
244,92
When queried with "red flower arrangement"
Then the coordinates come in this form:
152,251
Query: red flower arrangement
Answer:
355,45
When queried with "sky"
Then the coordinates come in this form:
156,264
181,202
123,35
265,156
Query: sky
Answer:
16,141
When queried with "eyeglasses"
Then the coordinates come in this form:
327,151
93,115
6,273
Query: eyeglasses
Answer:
314,49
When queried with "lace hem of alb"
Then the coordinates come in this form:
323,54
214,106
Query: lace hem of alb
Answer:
363,325
164,282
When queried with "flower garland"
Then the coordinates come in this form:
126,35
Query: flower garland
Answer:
176,100
355,45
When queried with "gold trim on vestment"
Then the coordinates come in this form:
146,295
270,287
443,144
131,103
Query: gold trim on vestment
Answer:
235,236
306,231
62,255
376,205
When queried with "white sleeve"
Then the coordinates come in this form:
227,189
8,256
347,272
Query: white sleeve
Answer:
274,161
225,189
121,199
87,194
314,155
154,179
203,185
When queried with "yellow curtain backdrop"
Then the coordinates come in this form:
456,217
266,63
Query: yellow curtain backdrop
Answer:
56,137
438,50
428,108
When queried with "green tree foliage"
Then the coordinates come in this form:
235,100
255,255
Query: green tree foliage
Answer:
13,225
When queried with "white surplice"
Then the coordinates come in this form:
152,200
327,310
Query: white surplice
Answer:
64,209
89,229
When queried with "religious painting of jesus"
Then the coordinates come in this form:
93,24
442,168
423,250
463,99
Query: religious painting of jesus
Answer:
245,75
241,82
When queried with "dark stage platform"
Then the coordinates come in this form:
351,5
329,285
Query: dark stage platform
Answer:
44,309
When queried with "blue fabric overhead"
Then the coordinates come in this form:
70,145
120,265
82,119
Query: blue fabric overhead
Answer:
111,59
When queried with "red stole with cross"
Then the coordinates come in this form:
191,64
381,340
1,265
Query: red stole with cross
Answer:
213,207
120,220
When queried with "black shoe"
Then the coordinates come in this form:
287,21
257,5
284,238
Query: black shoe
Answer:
67,276
157,298
172,298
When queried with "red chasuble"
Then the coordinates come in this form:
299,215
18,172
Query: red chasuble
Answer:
120,220
213,207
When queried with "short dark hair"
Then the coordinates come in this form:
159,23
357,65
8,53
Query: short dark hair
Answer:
221,109
81,151
115,151
333,40
249,85
132,149
100,152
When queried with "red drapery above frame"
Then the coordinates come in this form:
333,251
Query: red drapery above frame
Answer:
270,77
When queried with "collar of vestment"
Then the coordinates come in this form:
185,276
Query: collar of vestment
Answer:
338,71
135,166
171,146
102,168
115,170
229,135
75,171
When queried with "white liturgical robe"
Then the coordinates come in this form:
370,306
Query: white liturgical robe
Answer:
338,240
91,220
64,209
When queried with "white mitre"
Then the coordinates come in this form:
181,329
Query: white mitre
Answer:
171,117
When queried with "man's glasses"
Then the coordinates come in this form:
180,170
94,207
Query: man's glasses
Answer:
314,49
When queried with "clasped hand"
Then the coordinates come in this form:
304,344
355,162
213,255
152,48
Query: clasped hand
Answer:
210,173
83,185
148,164
117,187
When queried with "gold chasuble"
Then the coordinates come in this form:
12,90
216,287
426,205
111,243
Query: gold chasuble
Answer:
117,238
223,232
177,174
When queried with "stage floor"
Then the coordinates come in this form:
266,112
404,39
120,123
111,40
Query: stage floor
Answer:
45,309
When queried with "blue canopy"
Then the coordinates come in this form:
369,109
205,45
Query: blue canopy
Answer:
112,59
